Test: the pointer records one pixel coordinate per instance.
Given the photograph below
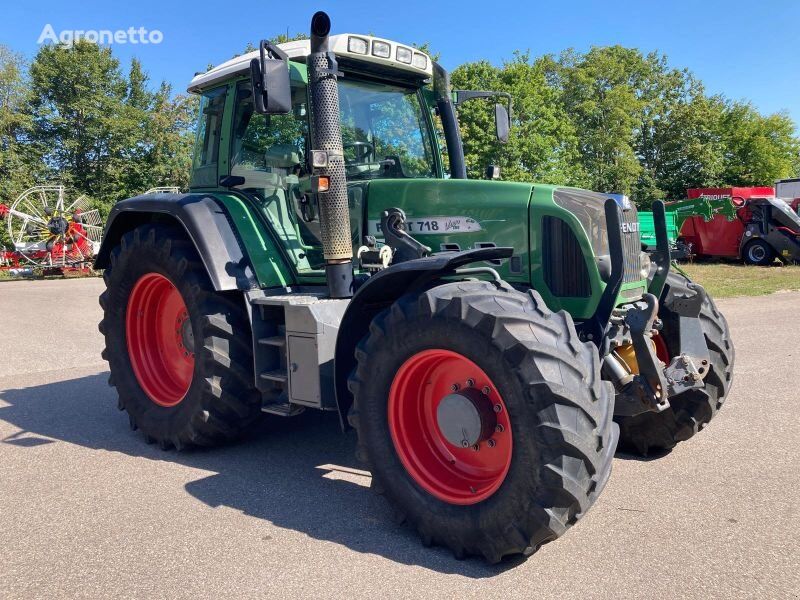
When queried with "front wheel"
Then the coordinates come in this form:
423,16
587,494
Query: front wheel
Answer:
482,417
180,353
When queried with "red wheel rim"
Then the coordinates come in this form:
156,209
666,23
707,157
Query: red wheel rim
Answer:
159,336
451,473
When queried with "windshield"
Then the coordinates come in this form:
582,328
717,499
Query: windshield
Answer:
384,132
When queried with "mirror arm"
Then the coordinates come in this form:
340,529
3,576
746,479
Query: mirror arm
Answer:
464,95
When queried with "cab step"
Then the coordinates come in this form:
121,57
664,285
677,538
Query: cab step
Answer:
279,376
278,341
282,409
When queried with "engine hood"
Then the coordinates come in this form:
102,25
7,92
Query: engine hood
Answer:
458,214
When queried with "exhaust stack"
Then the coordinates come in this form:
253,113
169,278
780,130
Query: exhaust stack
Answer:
328,161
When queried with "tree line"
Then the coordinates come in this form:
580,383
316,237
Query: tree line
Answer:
615,120
74,116
611,119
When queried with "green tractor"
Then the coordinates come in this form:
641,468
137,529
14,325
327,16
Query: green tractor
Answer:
490,342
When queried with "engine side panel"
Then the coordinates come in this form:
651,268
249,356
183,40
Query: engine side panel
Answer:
458,214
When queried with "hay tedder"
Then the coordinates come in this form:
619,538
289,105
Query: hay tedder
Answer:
490,342
47,231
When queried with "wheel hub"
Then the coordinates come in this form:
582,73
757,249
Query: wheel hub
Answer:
450,426
757,253
160,339
185,333
58,225
466,418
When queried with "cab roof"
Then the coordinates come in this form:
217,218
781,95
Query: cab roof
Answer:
343,45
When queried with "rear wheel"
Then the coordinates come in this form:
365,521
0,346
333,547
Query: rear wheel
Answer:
179,353
482,417
758,252
690,411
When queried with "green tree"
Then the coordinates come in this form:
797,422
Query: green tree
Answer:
82,122
758,148
105,133
599,91
542,144
170,136
690,148
20,165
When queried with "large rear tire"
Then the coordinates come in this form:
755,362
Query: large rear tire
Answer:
540,464
179,352
690,411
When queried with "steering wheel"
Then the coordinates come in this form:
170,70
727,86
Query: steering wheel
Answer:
361,149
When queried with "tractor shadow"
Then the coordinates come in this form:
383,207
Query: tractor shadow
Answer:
298,474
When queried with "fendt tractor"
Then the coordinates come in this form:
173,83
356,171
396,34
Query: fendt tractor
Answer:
489,341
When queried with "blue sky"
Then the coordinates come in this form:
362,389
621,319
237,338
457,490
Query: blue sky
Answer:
743,49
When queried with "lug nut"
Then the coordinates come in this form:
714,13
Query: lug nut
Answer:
470,382
476,447
491,443
499,428
464,444
455,387
498,408
486,390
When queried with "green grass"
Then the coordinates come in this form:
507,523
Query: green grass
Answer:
725,280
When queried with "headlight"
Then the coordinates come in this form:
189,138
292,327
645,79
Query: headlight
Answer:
357,45
404,55
381,49
420,61
645,261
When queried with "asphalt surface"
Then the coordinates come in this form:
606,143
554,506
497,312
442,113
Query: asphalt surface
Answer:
87,509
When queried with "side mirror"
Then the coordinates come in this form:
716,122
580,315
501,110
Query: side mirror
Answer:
269,75
501,123
493,172
502,115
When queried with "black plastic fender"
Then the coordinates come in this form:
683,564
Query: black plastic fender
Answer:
380,291
207,224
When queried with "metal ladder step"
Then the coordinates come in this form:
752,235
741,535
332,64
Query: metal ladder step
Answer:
278,341
282,409
279,376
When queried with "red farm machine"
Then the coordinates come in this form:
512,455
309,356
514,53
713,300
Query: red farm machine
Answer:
46,231
750,224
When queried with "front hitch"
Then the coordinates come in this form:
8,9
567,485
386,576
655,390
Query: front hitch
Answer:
689,368
646,390
655,383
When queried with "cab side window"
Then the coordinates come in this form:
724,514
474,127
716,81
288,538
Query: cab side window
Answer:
209,127
268,152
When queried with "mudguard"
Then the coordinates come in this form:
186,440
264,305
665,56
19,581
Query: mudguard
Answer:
379,291
206,223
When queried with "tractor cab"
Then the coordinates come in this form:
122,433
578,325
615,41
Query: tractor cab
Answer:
385,119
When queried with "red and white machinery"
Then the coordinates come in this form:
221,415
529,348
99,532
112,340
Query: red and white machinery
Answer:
47,231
